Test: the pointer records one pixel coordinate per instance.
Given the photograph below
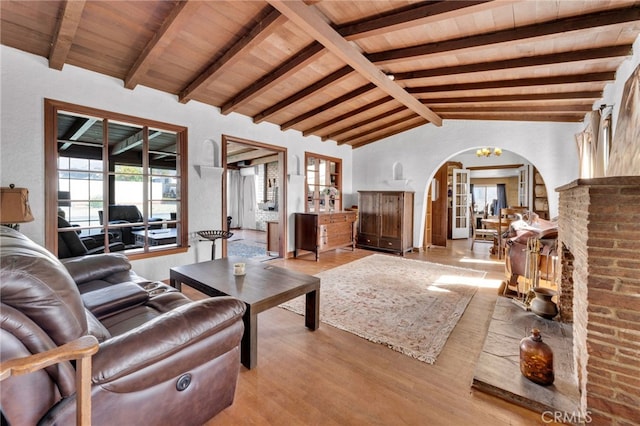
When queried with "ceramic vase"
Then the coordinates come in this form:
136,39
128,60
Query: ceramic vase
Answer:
542,304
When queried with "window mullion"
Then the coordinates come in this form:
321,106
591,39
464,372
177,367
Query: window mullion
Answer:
106,178
146,180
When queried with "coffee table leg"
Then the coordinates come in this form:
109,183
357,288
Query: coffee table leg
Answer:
175,283
249,345
312,310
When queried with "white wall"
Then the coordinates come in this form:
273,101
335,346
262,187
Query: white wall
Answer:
27,80
612,94
550,147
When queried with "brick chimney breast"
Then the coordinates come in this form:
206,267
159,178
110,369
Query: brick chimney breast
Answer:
599,291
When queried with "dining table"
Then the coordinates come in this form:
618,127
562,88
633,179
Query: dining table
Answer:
501,226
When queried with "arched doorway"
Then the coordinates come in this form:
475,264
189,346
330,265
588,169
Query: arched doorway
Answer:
523,186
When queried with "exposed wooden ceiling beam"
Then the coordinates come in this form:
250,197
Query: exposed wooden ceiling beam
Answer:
333,135
527,97
412,115
521,82
494,167
327,106
65,32
175,22
296,63
582,55
265,160
573,108
303,94
412,16
598,19
419,122
249,155
558,118
311,21
522,62
421,14
269,18
316,129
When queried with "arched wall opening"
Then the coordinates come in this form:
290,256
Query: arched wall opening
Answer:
550,147
504,166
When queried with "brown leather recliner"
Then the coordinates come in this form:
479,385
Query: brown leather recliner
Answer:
163,359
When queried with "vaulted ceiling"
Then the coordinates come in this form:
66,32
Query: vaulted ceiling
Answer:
349,71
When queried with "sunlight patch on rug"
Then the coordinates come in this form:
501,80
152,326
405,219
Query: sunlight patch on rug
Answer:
408,305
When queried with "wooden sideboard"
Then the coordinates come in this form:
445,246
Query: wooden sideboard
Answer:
386,220
318,232
273,237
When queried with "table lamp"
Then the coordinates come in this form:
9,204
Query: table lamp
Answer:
14,206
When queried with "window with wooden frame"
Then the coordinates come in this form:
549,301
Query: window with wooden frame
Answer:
118,182
323,183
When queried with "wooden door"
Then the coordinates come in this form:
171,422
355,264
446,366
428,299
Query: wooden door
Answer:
368,223
524,192
461,201
439,209
390,217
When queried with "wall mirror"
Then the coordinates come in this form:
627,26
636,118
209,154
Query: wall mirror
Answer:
114,183
323,183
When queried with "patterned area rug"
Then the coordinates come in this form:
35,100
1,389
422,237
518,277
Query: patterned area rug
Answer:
246,249
409,305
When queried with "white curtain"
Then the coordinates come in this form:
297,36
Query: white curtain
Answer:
241,199
603,146
586,144
583,141
233,197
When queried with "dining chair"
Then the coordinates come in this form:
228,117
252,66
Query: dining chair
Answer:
480,234
506,216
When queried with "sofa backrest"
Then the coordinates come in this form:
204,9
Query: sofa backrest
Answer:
128,213
34,282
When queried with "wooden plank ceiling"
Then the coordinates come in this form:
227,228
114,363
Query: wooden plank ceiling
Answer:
350,71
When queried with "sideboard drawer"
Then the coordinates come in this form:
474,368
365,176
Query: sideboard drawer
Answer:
390,243
368,240
342,217
324,219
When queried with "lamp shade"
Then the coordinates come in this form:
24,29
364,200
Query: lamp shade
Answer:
14,205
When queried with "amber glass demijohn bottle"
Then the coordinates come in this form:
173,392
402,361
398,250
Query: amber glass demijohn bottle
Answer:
536,359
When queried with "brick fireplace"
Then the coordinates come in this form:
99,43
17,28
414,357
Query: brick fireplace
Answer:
599,237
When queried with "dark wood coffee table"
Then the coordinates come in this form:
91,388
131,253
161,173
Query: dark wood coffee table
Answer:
262,287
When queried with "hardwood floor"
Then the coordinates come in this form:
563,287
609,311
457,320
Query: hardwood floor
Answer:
331,377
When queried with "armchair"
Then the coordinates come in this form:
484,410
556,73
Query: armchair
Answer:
70,244
120,214
162,358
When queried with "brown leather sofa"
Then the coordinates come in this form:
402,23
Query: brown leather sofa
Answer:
163,359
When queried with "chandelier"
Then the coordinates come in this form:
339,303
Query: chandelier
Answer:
486,152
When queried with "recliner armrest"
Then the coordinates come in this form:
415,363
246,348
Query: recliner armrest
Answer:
95,267
108,300
173,334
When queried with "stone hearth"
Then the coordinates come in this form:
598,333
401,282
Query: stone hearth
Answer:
498,368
